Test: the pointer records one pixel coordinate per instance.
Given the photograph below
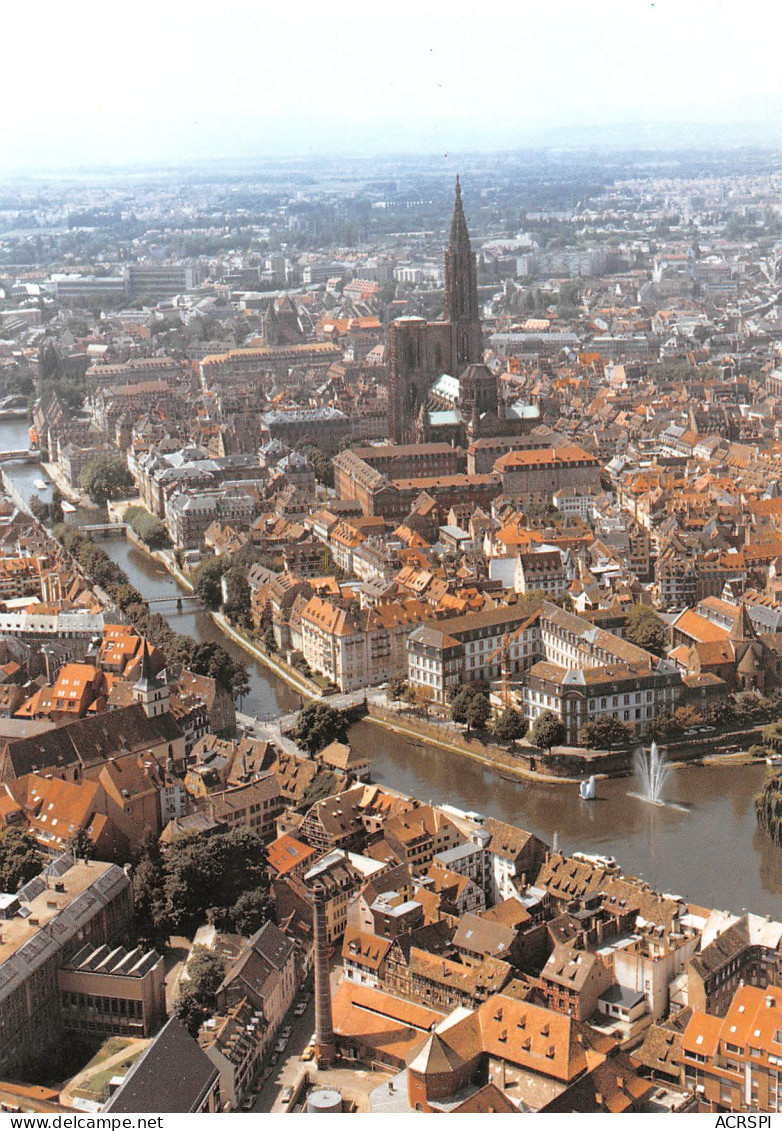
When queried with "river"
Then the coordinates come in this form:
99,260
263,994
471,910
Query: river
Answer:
710,852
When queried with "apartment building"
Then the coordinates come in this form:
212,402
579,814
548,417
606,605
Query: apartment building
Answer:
734,1063
356,647
535,476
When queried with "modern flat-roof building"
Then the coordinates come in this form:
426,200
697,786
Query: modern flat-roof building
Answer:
69,905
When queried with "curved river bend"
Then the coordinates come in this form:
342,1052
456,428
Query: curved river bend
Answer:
710,851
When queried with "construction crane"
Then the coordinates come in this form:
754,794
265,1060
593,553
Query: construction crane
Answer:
504,654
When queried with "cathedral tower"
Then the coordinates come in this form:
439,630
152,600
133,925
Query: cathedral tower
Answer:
419,352
461,292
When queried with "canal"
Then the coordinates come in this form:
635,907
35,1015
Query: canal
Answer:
710,851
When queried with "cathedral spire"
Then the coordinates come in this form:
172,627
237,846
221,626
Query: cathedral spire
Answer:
461,291
460,237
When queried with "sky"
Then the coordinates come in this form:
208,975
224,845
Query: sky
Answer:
91,83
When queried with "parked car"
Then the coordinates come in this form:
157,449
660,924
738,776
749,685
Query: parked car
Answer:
279,1048
300,1008
287,1095
285,1034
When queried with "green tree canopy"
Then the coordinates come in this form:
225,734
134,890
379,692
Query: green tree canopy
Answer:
605,732
81,846
238,596
646,630
548,730
149,527
460,704
105,477
478,712
318,725
208,583
20,859
205,877
510,725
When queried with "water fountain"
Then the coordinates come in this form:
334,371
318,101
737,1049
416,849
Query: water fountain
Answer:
653,773
588,789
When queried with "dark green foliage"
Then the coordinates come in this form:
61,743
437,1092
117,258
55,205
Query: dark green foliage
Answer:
148,526
665,727
251,910
318,725
207,658
646,630
606,732
269,643
462,701
396,689
237,603
548,730
81,846
198,879
510,725
768,808
207,583
105,477
55,506
478,712
20,859
197,1001
191,1013
320,462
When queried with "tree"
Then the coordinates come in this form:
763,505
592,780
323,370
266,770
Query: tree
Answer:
268,641
105,477
665,727
461,702
198,1000
208,583
149,898
478,712
251,910
205,973
510,725
548,730
604,732
318,725
238,596
646,630
396,689
191,1013
768,808
210,658
204,878
20,859
81,845
56,514
149,527
39,509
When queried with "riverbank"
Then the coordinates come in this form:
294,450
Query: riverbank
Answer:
566,765
78,498
294,679
497,758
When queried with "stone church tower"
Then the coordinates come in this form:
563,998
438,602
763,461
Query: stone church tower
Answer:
421,351
461,292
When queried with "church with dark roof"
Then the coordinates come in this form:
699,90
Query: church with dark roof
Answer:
439,388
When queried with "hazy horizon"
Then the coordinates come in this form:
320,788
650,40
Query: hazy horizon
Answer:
161,86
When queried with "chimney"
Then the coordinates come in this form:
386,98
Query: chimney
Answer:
325,1043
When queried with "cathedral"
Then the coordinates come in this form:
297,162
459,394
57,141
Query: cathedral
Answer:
438,386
